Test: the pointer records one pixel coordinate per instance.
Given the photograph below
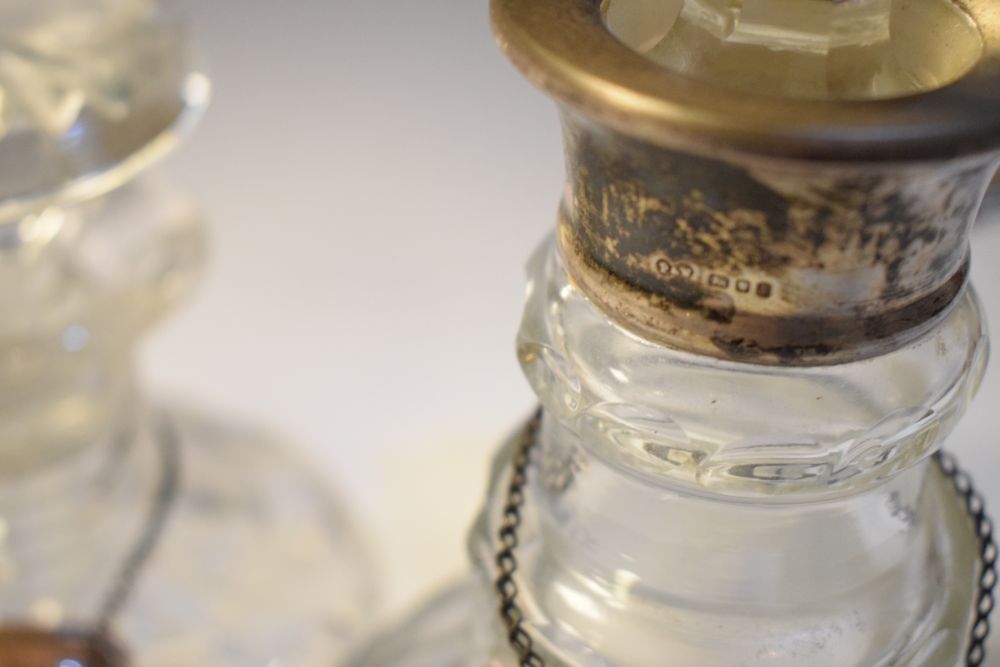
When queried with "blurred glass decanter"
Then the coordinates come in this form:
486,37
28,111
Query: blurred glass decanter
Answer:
131,533
750,336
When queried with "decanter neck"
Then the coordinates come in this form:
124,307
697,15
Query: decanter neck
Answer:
674,494
603,523
78,286
615,568
738,430
51,418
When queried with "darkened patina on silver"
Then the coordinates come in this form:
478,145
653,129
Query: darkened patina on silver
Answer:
756,228
769,260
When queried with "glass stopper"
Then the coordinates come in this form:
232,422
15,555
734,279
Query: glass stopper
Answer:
820,49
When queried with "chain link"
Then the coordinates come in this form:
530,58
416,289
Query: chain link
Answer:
164,496
510,611
512,616
976,507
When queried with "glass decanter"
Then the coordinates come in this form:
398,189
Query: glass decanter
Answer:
750,336
132,532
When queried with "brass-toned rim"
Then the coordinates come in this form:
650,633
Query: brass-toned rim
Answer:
565,48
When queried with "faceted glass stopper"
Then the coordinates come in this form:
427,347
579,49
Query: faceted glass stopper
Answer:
56,58
821,49
85,87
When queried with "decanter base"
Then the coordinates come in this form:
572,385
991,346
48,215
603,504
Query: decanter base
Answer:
257,566
438,634
188,540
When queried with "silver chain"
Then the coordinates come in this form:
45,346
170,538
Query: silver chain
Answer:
976,507
168,447
512,616
506,560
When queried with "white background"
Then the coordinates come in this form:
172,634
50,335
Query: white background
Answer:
375,175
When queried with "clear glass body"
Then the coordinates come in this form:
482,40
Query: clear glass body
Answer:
703,512
257,565
824,49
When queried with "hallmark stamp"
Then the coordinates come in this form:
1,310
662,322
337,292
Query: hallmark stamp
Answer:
714,279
